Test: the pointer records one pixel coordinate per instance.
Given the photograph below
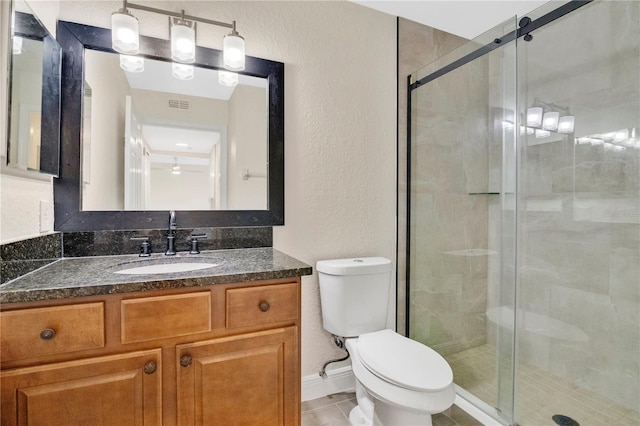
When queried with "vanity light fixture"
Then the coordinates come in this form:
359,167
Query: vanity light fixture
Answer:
183,40
125,36
233,50
182,71
227,78
131,63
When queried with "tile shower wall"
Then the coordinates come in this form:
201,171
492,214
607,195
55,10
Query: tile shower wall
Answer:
449,210
579,219
581,266
418,45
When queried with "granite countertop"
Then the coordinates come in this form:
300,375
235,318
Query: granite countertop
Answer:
89,276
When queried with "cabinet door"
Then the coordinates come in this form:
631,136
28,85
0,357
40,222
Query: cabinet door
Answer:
250,379
114,390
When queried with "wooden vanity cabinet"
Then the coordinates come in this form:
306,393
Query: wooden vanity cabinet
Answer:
216,355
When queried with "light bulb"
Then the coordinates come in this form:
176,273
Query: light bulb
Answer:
183,42
124,33
233,51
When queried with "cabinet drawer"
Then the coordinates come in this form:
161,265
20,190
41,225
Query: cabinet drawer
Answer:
259,305
152,318
31,333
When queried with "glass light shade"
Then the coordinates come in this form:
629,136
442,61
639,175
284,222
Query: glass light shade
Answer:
233,52
227,78
132,63
182,71
542,133
534,116
124,33
17,45
566,124
550,120
183,43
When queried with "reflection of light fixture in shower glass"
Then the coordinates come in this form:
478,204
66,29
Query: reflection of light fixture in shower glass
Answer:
550,120
542,133
534,116
132,63
566,124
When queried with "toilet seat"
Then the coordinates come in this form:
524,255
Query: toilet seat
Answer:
404,362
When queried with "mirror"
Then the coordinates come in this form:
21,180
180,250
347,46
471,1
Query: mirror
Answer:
154,142
243,146
34,94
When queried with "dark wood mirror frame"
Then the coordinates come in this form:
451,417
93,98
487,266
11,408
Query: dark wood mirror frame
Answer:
28,26
74,39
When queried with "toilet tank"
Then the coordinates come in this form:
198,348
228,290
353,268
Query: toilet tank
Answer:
354,294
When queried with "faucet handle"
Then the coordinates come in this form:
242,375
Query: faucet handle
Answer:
145,246
194,242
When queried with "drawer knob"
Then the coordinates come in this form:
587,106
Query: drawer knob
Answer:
186,360
47,334
264,306
150,367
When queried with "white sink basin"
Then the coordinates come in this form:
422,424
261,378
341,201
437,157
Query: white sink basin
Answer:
166,268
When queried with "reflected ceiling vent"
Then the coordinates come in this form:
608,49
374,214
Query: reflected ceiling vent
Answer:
179,104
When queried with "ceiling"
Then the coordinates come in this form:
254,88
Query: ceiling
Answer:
465,18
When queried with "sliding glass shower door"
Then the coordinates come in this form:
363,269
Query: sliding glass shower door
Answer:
461,221
523,220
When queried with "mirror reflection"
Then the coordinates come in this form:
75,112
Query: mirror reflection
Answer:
26,88
152,141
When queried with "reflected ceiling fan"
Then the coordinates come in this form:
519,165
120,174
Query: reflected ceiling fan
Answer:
176,169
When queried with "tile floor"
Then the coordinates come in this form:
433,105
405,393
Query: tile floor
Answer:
333,410
540,394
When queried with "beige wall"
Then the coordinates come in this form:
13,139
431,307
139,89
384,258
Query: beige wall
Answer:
340,96
247,149
109,89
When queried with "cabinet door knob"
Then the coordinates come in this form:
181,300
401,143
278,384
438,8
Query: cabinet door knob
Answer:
47,334
150,367
186,360
264,306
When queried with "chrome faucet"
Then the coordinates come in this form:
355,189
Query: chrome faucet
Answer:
171,235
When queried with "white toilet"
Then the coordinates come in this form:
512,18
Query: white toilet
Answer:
398,380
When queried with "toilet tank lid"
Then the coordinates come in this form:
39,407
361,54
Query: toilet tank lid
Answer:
354,266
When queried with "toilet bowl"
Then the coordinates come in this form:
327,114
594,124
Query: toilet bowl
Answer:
398,381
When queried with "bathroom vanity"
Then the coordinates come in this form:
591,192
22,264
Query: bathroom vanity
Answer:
83,344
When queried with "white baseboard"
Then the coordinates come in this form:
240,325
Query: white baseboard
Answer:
338,380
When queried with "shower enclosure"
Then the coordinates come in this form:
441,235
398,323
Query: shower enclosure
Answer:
523,242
